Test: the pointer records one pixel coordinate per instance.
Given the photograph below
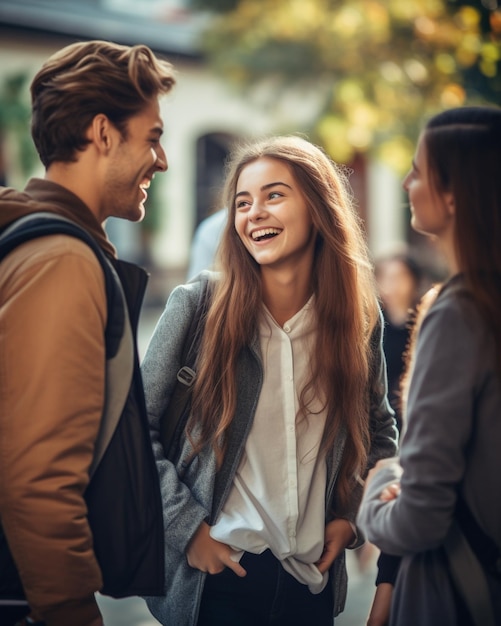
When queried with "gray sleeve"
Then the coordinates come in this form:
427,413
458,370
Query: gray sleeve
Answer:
440,418
183,514
382,424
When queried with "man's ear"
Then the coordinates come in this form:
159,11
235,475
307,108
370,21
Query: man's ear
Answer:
100,132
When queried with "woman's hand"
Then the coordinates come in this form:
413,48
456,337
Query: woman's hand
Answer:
380,610
390,492
211,556
338,534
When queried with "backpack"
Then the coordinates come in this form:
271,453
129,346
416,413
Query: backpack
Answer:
122,557
175,416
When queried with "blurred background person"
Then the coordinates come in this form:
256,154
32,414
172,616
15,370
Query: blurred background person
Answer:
205,242
399,278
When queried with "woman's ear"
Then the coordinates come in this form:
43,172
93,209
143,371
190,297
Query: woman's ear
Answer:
450,203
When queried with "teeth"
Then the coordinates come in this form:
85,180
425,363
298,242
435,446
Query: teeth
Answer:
145,185
259,234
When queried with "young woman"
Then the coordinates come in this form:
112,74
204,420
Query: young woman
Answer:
448,504
289,403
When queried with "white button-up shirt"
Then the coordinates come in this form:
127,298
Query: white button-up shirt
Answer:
277,500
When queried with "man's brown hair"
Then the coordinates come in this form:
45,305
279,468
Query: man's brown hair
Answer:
85,79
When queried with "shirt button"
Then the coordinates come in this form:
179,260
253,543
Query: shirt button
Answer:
287,328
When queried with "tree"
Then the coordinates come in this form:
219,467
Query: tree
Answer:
381,66
17,153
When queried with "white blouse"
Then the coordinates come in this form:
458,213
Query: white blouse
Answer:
277,500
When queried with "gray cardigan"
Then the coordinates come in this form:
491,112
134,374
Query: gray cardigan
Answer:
193,492
451,445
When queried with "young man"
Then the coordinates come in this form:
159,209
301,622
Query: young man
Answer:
97,127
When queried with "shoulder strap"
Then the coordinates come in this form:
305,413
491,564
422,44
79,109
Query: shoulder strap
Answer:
170,423
468,577
118,333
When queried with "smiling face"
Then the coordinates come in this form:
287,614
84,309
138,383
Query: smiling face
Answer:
272,218
432,210
134,160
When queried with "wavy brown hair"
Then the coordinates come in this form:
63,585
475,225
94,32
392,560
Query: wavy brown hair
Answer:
463,149
85,79
345,303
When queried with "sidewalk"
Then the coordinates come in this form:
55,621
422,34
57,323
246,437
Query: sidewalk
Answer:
361,590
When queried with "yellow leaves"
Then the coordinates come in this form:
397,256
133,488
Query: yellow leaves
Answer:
469,18
353,128
348,91
361,19
445,63
388,63
495,22
396,153
347,21
416,71
468,50
425,27
391,72
490,56
409,69
453,95
333,133
411,10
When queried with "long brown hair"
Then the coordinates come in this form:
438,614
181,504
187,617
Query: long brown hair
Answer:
345,303
463,149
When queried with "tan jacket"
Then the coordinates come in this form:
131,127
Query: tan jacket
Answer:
52,377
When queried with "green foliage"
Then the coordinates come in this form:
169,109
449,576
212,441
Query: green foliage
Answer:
15,116
388,64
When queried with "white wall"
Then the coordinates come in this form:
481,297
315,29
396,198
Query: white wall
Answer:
199,104
386,216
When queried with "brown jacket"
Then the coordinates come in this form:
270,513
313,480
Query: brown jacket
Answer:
52,379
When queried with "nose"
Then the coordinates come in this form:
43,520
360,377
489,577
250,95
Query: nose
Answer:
256,211
405,181
161,163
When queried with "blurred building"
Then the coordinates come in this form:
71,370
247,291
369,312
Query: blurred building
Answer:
203,116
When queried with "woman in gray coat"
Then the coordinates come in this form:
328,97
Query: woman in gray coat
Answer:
289,403
450,467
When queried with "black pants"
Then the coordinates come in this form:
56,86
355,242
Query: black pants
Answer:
267,596
9,615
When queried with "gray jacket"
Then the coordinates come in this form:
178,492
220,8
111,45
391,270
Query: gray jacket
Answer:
193,492
451,445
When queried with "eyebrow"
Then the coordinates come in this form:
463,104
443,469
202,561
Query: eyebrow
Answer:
263,188
157,130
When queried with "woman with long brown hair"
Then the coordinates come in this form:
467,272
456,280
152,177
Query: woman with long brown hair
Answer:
289,403
446,520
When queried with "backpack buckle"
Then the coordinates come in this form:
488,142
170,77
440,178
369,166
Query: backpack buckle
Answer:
186,376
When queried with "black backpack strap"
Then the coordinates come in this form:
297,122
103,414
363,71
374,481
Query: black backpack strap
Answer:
176,414
118,333
485,549
42,224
